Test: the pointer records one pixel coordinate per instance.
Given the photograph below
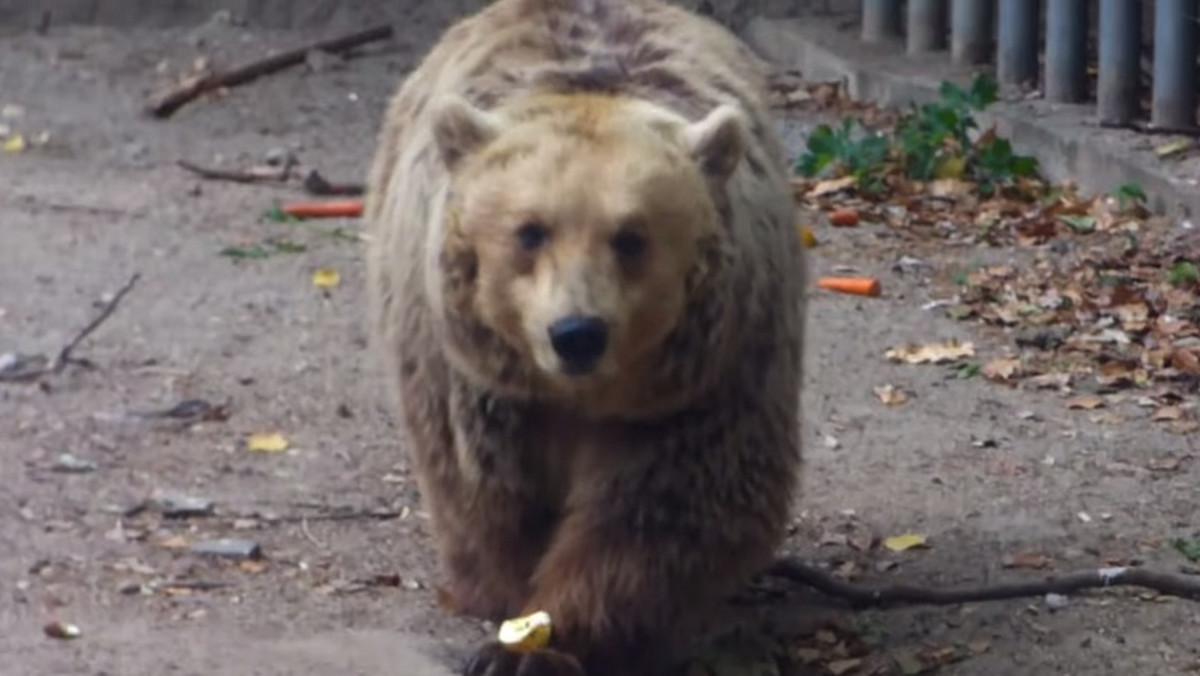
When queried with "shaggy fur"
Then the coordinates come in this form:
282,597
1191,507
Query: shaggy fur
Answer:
629,502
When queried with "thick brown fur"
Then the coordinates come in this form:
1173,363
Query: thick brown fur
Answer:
630,502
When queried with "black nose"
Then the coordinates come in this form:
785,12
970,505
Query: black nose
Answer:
579,341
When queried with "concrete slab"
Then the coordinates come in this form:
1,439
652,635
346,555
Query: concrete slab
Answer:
1066,139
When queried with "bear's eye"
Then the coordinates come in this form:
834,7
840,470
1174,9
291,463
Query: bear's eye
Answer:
628,244
531,235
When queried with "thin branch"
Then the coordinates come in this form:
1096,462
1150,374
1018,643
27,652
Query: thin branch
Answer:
174,99
64,355
858,596
236,175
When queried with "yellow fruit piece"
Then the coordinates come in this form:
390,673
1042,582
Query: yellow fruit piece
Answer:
14,144
900,543
326,278
526,634
807,237
951,167
267,443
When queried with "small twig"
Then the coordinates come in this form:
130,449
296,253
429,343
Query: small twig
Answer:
308,534
165,105
64,355
195,585
858,596
235,175
316,184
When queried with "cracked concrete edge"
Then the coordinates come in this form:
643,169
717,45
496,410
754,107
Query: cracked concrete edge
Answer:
1064,139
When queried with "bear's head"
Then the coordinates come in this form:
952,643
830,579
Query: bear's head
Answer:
578,231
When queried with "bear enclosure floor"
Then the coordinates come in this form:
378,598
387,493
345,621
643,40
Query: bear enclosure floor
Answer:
1002,482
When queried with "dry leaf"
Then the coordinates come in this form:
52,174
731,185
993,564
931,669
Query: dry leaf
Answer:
267,442
1026,560
932,353
830,187
891,395
900,543
1167,414
1002,369
1085,401
840,667
326,278
1173,148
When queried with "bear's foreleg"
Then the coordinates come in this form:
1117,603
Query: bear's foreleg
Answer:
661,525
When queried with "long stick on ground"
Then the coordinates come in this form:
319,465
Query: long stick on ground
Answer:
64,355
881,597
165,105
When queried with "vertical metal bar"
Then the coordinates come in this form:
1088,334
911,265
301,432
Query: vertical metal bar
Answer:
971,31
926,25
1174,97
881,20
1017,60
1066,50
1117,93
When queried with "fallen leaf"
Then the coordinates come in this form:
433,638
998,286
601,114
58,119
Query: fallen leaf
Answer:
932,353
1026,560
1003,369
1167,414
807,237
1085,401
326,278
1173,148
891,395
267,442
843,666
832,186
900,543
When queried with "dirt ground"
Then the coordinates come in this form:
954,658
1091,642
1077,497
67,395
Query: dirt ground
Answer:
985,472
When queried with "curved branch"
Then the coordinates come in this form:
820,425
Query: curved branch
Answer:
857,596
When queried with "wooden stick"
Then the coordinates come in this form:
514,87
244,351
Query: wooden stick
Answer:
857,596
165,105
64,355
235,175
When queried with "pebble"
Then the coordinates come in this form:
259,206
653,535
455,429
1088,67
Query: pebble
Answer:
231,548
181,506
67,463
1056,601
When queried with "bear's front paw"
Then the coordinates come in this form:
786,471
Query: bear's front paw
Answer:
493,659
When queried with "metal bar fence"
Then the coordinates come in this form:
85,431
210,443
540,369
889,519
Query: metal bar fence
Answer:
1005,34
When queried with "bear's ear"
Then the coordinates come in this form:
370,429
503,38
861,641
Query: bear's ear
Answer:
718,141
460,128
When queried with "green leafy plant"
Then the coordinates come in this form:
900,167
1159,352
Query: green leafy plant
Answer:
929,141
842,152
1184,272
1129,195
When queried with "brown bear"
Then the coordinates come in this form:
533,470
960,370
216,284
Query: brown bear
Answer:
586,283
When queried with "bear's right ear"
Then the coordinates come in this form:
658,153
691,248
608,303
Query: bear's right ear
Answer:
459,128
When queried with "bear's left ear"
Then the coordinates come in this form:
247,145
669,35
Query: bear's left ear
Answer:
718,141
461,128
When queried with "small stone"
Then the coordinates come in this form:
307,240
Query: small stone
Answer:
230,548
278,157
1056,601
61,630
181,506
67,463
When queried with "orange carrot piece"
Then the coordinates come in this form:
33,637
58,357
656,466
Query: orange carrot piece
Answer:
859,286
329,209
843,218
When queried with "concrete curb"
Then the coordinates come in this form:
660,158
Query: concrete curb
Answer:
1065,139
